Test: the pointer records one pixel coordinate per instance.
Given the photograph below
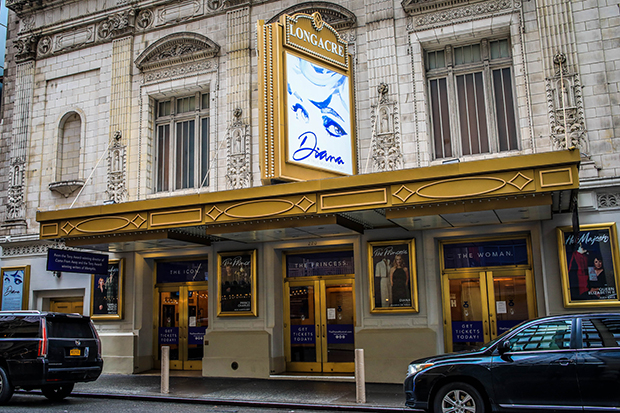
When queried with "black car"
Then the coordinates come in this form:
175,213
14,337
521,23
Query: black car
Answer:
558,363
47,351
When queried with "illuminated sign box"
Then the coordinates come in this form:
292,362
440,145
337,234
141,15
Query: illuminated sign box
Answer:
307,110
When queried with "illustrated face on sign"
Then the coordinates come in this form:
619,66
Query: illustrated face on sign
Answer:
319,116
13,278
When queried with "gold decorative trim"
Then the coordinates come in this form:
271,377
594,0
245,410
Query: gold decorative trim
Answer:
520,176
67,225
304,200
363,195
138,221
49,230
177,213
103,220
461,195
214,213
263,203
556,172
406,191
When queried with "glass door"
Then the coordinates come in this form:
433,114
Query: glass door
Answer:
479,306
182,321
319,326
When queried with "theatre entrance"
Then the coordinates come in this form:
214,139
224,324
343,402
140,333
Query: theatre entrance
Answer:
490,291
181,312
319,314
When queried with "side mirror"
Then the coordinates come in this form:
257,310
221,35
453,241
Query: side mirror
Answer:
504,347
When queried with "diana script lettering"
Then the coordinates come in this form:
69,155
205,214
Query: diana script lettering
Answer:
308,146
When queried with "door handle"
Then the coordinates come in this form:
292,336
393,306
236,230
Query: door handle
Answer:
486,328
318,331
563,362
324,330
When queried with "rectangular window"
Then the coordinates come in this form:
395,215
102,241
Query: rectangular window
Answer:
471,100
182,142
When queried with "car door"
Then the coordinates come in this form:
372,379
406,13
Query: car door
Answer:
598,362
539,369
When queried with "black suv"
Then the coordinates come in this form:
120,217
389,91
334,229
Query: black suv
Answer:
562,363
47,351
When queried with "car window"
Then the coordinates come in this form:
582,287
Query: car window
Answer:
600,332
68,328
19,327
554,335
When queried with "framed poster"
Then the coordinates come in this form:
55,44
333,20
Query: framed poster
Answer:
106,298
236,279
589,265
15,288
393,280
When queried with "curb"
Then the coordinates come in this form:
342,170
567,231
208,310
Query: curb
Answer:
249,403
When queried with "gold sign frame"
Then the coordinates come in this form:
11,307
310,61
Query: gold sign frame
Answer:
585,264
236,284
15,281
388,263
328,148
106,292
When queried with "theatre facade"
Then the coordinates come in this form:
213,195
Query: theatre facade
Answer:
275,186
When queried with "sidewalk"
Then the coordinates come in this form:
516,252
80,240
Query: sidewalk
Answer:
279,392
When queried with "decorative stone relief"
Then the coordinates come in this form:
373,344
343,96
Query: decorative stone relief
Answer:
30,249
215,5
15,202
184,47
145,19
26,48
238,165
566,110
178,11
73,39
608,200
116,25
27,23
427,14
117,159
385,123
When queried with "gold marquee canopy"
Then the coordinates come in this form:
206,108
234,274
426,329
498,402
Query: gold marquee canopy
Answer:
529,181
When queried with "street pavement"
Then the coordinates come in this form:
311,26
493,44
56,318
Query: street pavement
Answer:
302,392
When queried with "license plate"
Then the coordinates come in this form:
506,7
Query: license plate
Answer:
75,352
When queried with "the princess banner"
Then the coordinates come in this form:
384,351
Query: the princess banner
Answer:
589,263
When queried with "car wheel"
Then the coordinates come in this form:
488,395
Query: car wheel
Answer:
57,393
6,388
458,398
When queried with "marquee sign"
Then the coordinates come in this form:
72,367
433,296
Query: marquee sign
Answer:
307,106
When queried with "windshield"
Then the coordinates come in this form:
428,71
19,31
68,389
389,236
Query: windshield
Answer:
500,337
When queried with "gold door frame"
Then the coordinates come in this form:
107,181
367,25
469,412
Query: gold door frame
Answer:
319,285
183,288
486,278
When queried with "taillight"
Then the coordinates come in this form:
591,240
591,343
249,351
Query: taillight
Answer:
43,342
98,341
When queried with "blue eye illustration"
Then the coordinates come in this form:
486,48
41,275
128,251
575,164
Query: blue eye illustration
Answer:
300,111
17,281
333,128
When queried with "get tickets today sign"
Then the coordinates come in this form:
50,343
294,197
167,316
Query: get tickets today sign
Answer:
307,106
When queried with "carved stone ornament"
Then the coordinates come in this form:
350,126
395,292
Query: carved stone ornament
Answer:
238,165
26,48
117,160
116,25
175,49
386,143
144,19
335,15
215,5
608,200
45,46
428,14
15,208
566,109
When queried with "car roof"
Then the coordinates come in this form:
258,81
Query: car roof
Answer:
42,314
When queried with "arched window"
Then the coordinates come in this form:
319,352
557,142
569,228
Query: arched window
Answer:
69,147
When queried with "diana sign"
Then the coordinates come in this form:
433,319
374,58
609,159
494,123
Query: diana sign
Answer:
313,135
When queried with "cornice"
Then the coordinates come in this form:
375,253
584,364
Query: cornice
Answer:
333,14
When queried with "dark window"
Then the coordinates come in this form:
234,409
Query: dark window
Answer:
69,328
553,335
182,142
600,332
471,100
19,327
